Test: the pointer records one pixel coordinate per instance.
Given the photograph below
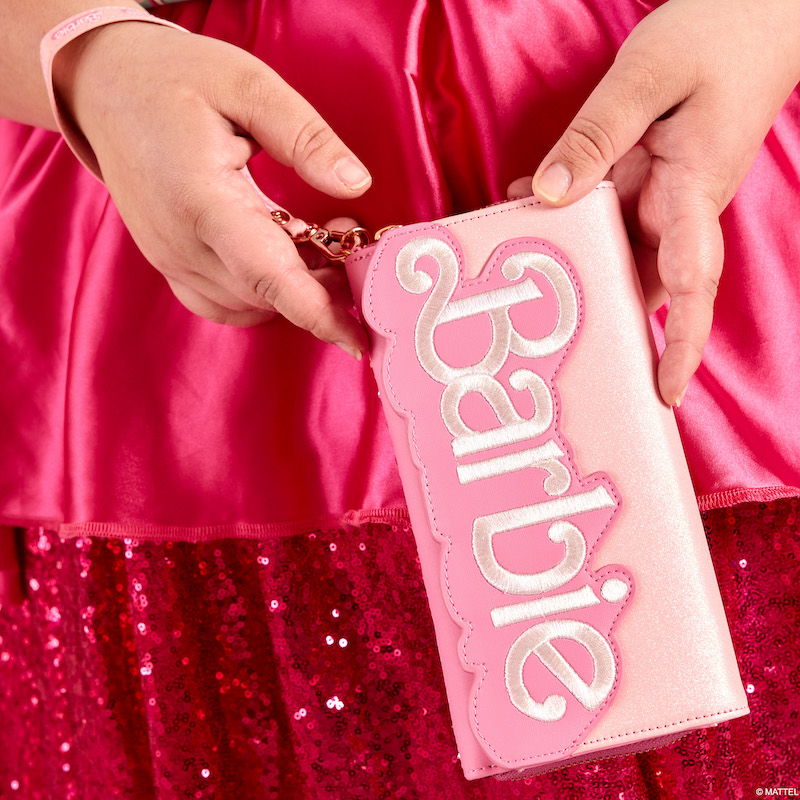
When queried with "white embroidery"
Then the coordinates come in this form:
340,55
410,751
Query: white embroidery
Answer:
513,427
486,302
512,269
544,456
418,282
485,528
439,308
614,590
537,641
534,583
495,303
545,606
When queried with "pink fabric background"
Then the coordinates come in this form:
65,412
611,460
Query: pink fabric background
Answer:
142,669
283,669
124,413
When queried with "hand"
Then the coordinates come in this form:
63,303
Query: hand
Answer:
698,85
173,117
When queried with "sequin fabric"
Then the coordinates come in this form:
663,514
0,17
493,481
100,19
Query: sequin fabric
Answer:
305,667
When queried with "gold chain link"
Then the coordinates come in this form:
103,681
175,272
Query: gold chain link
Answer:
334,245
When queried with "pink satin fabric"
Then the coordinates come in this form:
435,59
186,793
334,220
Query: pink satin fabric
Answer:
124,414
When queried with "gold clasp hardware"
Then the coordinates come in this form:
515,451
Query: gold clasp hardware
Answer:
334,245
384,229
337,245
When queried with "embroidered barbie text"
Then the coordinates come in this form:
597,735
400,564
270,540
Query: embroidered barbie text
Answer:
502,485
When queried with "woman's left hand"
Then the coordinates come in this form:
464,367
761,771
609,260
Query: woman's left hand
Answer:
698,85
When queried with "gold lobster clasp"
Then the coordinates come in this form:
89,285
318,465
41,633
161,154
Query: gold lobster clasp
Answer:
337,245
334,245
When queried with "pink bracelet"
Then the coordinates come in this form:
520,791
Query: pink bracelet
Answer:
64,33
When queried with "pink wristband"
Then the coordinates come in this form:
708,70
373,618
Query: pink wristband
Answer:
64,33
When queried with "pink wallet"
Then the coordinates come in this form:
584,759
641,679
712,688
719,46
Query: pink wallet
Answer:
576,609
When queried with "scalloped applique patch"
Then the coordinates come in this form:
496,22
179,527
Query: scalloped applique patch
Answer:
472,368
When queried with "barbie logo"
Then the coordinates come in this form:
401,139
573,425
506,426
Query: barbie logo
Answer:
472,365
74,24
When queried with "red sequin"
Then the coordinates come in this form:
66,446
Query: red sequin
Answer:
305,667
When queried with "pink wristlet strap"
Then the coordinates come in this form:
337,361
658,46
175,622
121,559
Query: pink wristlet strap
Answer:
82,23
61,35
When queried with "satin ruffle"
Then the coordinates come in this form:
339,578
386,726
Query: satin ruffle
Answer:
123,413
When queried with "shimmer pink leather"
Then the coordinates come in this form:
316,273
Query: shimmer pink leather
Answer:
656,605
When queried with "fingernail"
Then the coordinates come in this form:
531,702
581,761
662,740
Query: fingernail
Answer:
553,183
680,398
350,350
351,173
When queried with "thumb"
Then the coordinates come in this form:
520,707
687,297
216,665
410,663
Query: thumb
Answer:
633,93
290,130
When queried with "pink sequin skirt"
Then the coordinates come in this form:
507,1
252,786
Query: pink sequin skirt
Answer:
304,666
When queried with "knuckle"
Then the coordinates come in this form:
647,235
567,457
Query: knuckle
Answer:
642,80
695,281
695,347
650,75
702,287
183,198
275,285
587,142
269,288
283,291
319,321
708,288
207,224
253,84
274,288
311,137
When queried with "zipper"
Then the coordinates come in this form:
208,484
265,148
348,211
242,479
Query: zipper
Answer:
338,245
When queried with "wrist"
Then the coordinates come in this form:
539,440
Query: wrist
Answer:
67,53
66,68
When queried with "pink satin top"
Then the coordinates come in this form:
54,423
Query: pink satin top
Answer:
122,413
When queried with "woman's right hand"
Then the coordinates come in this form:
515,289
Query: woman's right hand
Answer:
173,117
